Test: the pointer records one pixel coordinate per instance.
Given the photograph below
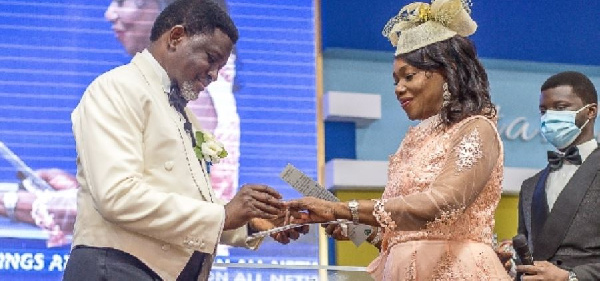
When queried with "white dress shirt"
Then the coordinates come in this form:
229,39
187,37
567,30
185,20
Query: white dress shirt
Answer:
558,179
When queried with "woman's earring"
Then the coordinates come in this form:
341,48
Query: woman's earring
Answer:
445,95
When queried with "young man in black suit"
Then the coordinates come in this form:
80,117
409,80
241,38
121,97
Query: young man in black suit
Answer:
558,207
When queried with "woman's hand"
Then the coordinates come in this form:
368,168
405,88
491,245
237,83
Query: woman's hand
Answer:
505,254
312,210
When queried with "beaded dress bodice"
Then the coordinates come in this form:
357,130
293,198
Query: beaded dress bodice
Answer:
444,183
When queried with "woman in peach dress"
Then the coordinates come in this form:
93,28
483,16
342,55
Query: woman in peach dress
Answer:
436,216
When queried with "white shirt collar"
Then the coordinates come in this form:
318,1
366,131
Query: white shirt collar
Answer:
159,70
586,148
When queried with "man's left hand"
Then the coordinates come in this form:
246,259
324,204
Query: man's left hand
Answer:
543,270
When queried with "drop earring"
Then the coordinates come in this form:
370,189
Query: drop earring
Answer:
446,95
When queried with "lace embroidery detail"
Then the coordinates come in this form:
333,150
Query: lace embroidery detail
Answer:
383,218
445,269
483,263
468,151
450,268
403,179
411,272
443,225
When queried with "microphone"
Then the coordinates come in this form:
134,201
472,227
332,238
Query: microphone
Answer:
522,249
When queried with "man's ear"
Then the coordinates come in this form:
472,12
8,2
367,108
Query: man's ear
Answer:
592,111
176,35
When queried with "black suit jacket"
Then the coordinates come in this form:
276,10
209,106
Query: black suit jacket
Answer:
570,237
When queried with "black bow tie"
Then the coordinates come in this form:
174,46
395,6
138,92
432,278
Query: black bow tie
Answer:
556,160
179,102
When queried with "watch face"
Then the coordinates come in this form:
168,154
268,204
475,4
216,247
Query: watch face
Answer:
353,205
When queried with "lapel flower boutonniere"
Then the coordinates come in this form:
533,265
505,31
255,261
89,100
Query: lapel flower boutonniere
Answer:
208,148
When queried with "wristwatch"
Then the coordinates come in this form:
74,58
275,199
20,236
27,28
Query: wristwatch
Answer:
353,205
572,276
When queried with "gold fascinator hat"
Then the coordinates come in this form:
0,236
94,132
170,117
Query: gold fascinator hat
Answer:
420,24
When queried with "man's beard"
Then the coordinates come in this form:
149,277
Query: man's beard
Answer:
187,91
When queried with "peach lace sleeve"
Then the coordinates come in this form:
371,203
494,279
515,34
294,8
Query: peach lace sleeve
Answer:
472,155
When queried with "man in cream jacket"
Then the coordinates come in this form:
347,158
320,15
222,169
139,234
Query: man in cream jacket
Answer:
146,210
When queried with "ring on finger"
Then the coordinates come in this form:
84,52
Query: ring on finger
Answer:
344,228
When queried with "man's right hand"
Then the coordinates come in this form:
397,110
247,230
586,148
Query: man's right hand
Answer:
253,201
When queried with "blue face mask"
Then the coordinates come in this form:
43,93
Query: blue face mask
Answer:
559,128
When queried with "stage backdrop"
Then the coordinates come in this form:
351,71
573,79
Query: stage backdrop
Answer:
51,50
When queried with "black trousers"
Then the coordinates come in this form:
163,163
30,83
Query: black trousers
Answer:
107,264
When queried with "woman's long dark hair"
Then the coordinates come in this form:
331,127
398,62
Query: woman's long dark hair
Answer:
467,80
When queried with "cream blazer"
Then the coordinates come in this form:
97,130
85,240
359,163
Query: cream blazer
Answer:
143,191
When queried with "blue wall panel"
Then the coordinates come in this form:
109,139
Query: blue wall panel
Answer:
546,31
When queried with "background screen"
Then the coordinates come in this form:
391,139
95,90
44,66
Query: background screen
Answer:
51,50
